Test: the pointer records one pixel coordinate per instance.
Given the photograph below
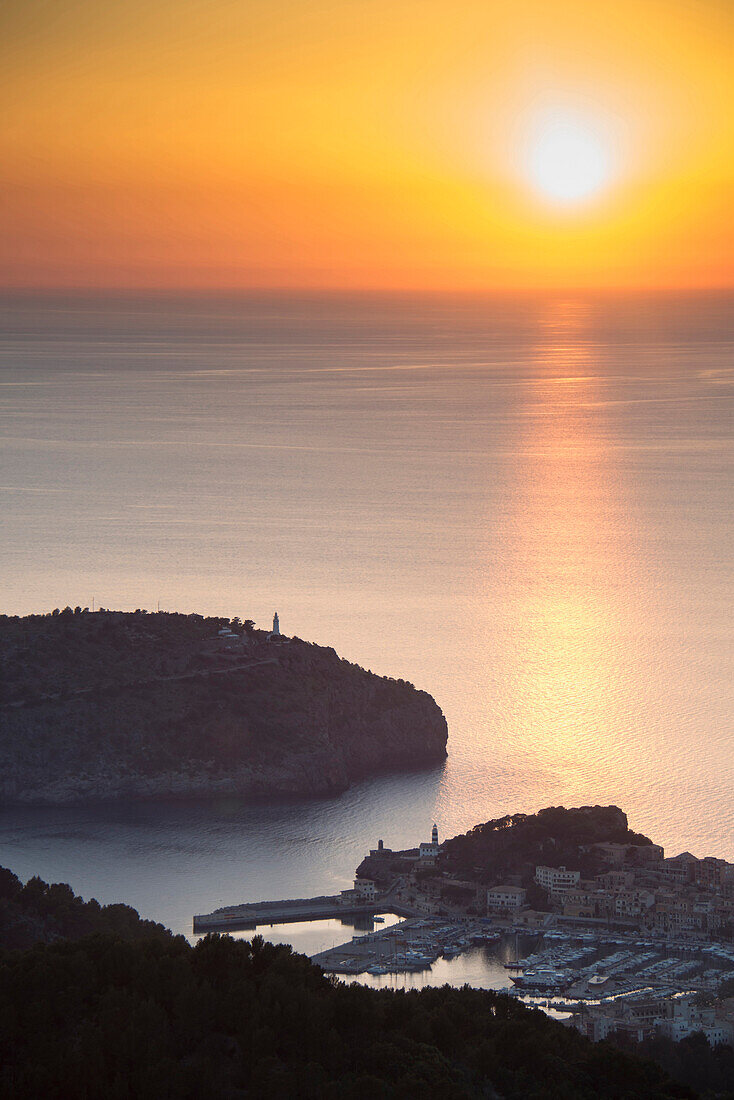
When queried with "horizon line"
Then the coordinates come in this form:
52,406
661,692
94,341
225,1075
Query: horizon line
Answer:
338,290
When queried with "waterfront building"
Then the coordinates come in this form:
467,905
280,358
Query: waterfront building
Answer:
683,1016
579,910
365,889
505,897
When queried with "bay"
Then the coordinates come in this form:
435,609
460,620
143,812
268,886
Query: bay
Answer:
522,505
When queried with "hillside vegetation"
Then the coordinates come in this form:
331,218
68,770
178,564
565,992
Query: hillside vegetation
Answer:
158,1019
41,913
106,1005
555,837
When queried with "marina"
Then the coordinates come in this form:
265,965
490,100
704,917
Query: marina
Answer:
413,945
598,941
595,973
557,969
569,970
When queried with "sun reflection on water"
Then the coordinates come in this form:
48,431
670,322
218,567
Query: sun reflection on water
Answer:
567,615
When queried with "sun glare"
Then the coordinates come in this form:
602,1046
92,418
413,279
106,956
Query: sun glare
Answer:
568,161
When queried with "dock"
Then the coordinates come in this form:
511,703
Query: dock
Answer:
253,914
413,944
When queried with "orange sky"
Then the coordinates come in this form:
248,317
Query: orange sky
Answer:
362,143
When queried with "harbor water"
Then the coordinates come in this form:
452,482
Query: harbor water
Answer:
523,506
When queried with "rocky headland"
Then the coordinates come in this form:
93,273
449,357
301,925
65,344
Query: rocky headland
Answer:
103,705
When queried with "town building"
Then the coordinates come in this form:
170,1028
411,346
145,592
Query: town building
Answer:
646,854
556,879
616,880
365,889
679,869
612,853
505,897
674,1017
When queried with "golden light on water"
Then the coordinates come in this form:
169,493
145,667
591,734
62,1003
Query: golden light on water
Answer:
571,531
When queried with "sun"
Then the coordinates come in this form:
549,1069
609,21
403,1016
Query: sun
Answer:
568,160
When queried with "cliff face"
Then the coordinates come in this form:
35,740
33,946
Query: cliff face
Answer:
109,705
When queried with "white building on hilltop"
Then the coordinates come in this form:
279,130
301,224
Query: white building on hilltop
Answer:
275,635
227,639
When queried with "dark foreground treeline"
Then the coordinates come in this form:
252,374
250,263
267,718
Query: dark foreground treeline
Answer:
108,1005
39,913
156,1018
708,1070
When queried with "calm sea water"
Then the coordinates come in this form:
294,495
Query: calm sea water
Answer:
522,505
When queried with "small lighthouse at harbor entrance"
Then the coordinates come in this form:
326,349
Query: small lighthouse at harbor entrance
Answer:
276,624
429,850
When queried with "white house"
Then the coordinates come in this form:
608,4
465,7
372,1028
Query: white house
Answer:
684,1017
227,639
505,897
365,889
556,879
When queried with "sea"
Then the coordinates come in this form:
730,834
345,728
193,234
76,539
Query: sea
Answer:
521,504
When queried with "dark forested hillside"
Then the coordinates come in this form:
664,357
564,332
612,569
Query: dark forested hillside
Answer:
41,913
112,704
158,1019
555,836
106,1005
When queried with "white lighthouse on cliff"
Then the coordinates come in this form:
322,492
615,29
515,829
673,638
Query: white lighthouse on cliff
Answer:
275,635
429,850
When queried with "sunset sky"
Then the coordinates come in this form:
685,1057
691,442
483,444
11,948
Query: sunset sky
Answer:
427,144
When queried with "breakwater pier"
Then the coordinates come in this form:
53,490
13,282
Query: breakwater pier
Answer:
236,918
